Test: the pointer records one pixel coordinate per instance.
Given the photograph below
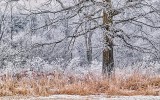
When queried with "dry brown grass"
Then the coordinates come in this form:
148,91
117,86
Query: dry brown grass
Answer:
57,83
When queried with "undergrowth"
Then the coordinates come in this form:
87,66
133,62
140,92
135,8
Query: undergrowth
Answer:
40,84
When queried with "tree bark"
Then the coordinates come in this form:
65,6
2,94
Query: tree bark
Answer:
108,59
88,42
89,47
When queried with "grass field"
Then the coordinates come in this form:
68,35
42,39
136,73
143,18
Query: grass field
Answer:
41,84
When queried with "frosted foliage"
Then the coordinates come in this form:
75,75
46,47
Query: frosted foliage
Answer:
74,68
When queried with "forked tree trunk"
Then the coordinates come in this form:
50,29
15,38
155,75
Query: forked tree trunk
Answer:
88,38
108,60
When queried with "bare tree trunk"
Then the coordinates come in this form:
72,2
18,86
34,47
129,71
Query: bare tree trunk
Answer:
108,60
67,52
11,22
89,47
0,32
88,42
88,38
